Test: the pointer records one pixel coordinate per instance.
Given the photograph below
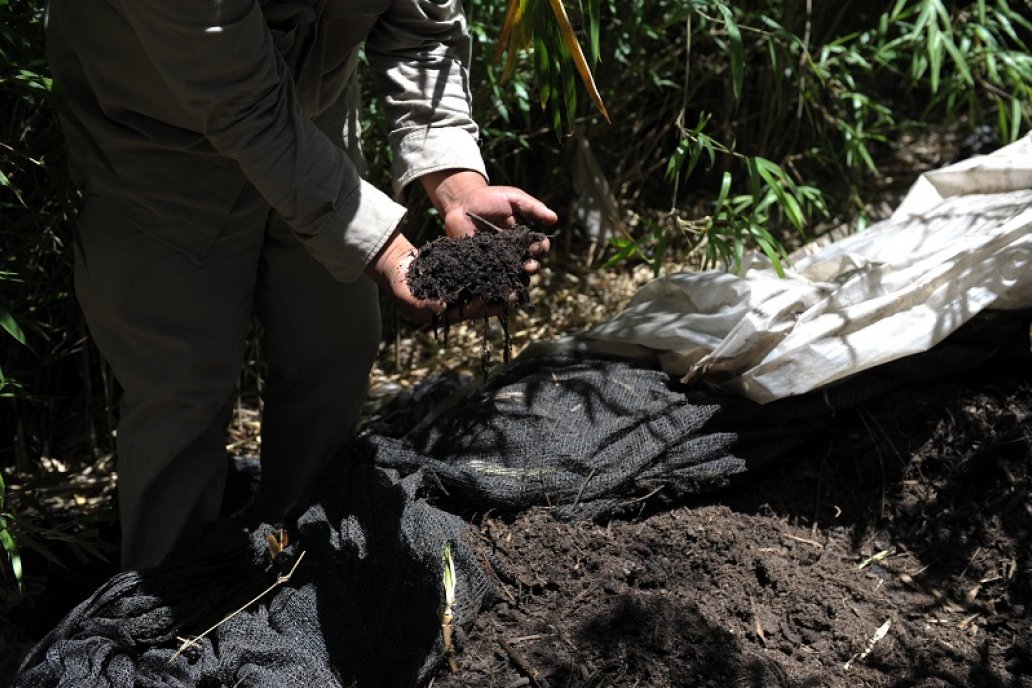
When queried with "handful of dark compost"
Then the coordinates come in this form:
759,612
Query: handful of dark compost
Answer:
485,267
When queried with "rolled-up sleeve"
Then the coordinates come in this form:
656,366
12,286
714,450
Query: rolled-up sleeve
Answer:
218,59
420,54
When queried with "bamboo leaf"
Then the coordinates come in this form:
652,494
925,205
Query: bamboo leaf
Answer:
959,60
6,182
694,160
771,253
737,50
754,181
9,324
1016,110
725,187
674,164
513,17
570,40
594,30
11,548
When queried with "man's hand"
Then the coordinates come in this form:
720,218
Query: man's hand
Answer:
389,270
456,193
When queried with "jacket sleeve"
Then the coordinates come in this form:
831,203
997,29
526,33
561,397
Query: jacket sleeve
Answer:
218,59
420,55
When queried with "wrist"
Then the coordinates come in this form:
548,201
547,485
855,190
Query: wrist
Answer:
448,189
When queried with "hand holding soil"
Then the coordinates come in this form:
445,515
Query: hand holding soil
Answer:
478,276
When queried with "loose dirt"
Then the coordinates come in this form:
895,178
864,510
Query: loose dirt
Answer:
894,551
483,270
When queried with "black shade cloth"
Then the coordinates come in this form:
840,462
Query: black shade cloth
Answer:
361,608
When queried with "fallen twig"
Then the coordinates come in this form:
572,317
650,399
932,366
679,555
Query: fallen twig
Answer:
878,635
522,664
803,540
486,222
280,580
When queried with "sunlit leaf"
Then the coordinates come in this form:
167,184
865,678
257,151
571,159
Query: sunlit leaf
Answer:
6,182
1015,128
570,40
734,35
771,253
10,547
10,325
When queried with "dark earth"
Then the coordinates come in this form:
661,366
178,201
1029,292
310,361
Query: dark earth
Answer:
896,550
483,269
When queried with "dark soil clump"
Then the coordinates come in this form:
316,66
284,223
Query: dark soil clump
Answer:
486,267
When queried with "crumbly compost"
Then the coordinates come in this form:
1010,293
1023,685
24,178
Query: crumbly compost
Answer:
486,267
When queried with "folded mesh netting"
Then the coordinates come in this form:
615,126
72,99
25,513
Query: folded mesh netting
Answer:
360,609
591,436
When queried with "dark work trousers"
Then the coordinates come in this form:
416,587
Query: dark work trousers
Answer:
174,329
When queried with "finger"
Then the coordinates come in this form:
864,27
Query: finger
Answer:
531,266
530,208
539,248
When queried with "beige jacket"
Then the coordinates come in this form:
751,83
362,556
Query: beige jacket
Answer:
181,102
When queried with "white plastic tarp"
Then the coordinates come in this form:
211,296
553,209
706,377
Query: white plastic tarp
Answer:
960,242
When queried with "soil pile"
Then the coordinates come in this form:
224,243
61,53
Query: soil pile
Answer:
892,550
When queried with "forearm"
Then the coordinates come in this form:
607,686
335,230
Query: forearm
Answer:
419,53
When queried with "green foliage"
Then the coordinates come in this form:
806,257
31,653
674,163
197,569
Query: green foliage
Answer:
45,363
788,93
44,360
11,560
19,532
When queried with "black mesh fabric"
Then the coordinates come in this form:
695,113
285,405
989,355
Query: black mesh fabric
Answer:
586,436
361,608
592,436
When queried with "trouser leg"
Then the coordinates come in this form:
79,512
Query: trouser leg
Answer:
173,332
321,337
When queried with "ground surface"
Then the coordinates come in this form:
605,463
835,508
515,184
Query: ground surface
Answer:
895,551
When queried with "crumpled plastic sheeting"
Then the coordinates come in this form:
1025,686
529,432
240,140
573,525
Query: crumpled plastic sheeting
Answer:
959,243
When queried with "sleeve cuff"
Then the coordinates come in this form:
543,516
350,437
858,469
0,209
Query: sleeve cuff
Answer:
422,151
353,235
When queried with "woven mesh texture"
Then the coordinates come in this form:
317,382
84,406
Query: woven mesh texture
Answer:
591,437
361,608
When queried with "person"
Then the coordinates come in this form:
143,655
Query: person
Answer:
216,146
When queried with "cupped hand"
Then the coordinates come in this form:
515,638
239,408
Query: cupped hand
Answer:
460,194
390,271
